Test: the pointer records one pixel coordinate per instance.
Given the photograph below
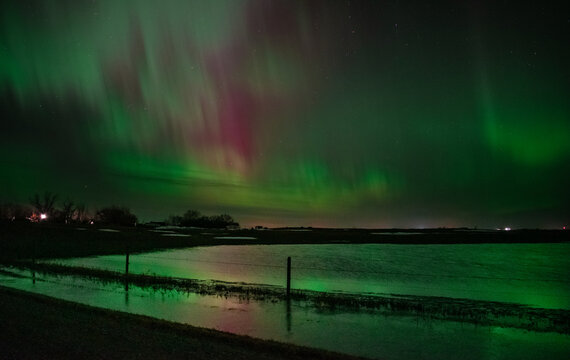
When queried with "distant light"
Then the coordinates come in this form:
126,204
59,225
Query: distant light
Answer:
43,216
564,228
507,229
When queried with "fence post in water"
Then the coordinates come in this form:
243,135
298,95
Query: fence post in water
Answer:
127,271
288,276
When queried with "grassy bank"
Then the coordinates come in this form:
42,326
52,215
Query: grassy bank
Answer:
39,327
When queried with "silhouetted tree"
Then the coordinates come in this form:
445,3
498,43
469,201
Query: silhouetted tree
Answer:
191,218
221,221
116,215
194,218
67,211
45,205
227,220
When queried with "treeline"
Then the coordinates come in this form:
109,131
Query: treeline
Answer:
193,218
48,208
45,208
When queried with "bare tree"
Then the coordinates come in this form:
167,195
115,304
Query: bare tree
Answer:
68,210
45,205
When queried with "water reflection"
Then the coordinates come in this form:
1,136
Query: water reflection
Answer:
359,333
288,314
530,274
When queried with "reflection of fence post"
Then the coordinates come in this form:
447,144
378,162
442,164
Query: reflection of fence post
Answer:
34,260
288,276
33,271
288,314
127,271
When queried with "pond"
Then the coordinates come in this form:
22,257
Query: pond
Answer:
361,333
530,274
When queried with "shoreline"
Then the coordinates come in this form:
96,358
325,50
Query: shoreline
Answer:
479,312
39,326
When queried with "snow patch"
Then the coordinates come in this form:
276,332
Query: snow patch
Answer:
235,237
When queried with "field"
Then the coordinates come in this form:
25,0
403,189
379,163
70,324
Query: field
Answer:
26,241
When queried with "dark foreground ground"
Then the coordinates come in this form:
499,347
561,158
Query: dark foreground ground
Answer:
38,327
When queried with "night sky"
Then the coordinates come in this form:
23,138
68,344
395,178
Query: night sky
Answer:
322,113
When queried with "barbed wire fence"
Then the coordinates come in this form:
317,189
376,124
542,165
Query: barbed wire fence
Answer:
330,278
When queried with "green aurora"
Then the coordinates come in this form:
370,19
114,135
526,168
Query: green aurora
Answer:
322,113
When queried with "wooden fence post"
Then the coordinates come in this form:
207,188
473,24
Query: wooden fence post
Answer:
288,276
127,271
34,271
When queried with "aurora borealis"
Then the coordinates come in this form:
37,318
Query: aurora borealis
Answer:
322,113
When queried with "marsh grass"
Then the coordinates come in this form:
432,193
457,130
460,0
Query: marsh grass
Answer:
488,313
